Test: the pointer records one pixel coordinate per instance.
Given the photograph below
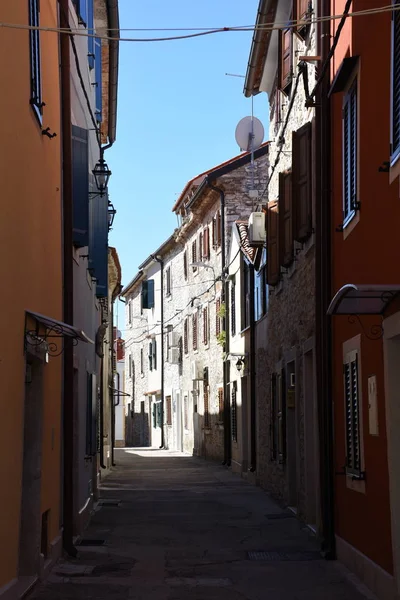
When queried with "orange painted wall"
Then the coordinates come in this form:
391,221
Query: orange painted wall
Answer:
31,261
370,254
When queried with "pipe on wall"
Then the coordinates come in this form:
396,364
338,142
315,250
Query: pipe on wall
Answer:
253,430
323,293
68,281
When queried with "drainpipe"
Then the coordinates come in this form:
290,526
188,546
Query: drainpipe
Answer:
225,325
111,392
68,292
253,443
323,294
161,262
101,416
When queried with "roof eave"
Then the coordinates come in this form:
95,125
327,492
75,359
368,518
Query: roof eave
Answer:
259,47
113,26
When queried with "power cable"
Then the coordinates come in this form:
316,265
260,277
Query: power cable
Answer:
291,24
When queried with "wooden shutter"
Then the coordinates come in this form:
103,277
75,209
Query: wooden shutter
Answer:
351,387
217,317
185,265
395,141
218,227
194,330
98,243
201,246
186,336
194,255
285,58
273,270
168,282
214,232
350,152
282,416
233,307
150,356
234,412
141,361
154,349
205,325
221,402
206,406
274,419
80,186
285,219
169,410
302,183
206,244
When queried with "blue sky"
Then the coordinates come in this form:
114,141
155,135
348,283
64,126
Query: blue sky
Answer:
177,114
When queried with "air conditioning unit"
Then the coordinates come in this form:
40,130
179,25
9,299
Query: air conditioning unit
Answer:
173,339
197,370
173,356
257,235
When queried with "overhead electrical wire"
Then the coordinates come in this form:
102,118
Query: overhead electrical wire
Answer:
199,33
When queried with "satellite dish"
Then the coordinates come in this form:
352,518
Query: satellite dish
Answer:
248,130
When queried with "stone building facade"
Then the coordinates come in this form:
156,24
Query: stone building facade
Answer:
192,378
287,461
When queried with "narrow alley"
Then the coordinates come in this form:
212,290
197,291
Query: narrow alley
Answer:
173,527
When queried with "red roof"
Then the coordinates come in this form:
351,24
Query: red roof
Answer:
201,176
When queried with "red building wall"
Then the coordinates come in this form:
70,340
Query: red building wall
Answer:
367,252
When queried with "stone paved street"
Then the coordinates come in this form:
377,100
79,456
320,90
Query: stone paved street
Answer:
183,529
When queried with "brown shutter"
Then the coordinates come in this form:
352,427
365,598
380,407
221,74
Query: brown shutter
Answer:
285,219
206,243
301,164
285,58
185,265
214,232
272,243
218,224
217,317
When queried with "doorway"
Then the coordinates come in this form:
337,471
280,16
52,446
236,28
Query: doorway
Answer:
291,432
311,441
31,537
178,421
391,343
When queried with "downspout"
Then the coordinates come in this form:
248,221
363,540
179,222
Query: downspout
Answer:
225,323
323,294
68,280
101,416
253,443
161,262
111,392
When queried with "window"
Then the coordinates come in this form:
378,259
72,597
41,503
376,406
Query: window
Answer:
130,312
194,254
302,183
150,356
154,351
261,288
133,384
185,265
168,280
34,44
302,10
148,294
233,306
169,410
206,244
206,398
352,410
205,325
217,316
141,362
350,204
216,230
186,336
285,59
285,219
180,346
395,100
234,412
185,413
221,402
194,330
130,366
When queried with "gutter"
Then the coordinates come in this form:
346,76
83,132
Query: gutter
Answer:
113,25
263,16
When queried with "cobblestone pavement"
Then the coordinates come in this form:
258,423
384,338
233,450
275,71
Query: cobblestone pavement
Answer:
179,528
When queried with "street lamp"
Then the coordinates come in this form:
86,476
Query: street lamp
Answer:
102,175
111,214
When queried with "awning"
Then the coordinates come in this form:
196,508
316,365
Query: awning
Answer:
354,299
343,74
56,328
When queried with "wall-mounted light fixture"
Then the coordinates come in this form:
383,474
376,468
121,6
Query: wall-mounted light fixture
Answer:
240,365
102,175
111,215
